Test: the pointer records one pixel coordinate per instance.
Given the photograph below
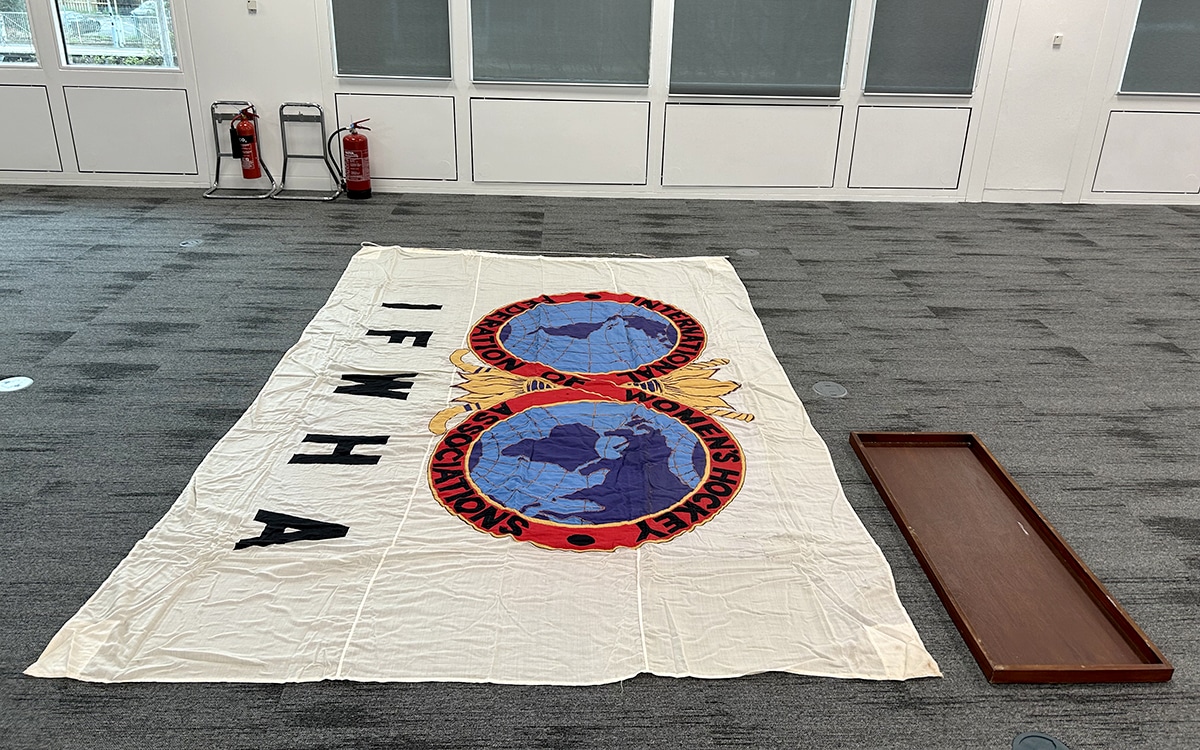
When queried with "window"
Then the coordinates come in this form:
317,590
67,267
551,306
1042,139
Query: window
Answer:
118,32
16,41
759,47
925,46
402,38
561,41
1164,57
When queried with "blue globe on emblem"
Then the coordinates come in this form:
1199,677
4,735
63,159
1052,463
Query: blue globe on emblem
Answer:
588,462
589,336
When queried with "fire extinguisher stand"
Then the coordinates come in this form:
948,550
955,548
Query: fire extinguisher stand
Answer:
221,113
305,112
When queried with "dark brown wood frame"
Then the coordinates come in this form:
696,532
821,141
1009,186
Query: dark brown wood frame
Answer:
909,484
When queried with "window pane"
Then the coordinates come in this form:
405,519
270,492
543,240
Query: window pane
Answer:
16,42
118,32
392,37
561,41
765,47
925,46
1165,54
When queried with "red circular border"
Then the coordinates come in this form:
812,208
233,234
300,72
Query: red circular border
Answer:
484,341
450,480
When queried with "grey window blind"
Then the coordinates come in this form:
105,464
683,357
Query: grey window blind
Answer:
561,41
925,46
392,37
1164,57
759,47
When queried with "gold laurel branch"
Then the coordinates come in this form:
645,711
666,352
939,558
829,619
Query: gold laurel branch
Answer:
485,387
441,420
693,385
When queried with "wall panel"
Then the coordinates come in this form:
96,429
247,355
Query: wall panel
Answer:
33,130
1150,152
411,137
570,142
751,145
909,147
131,131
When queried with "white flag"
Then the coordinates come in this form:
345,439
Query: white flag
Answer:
482,467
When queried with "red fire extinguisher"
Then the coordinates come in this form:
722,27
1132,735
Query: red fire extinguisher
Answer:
357,177
243,133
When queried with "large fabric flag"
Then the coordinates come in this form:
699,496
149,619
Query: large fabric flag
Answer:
483,467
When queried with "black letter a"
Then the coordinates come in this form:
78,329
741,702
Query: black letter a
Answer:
279,523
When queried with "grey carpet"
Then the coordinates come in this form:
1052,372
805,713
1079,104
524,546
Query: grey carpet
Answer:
1067,337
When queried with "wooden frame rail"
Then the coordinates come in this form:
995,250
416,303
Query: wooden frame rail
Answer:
1026,605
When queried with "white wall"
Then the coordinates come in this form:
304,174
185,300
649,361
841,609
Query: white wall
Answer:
1036,116
267,58
1038,127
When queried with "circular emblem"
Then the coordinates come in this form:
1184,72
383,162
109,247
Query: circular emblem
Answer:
600,468
570,338
591,425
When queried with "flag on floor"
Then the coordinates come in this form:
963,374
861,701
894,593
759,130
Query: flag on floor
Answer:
492,468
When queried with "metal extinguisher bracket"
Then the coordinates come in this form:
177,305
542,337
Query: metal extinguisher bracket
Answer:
220,114
308,112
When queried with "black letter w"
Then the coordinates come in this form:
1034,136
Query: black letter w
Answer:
385,386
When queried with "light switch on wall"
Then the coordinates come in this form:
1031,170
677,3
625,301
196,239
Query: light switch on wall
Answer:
251,6
1058,40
